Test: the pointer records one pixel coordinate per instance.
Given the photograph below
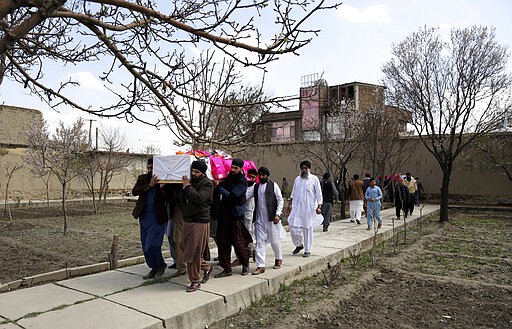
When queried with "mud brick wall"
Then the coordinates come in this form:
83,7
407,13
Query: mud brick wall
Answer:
369,96
14,122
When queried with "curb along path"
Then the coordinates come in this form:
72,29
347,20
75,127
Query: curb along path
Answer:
122,299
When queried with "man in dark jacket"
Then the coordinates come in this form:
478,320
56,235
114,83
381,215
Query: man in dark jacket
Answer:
329,194
366,184
198,200
151,211
401,197
231,231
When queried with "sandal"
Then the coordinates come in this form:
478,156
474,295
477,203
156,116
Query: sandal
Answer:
193,287
206,275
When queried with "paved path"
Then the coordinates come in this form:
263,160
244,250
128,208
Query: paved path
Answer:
122,299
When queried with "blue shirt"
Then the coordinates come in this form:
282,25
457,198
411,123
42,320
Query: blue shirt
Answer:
373,194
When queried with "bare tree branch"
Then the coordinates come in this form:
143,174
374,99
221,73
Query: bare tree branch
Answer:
147,54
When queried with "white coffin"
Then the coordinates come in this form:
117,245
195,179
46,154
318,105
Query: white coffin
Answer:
171,168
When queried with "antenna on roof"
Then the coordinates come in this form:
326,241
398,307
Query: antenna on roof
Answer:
311,80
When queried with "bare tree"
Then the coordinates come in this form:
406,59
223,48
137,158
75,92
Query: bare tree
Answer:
10,169
454,90
151,149
89,174
111,161
45,176
62,154
160,47
381,128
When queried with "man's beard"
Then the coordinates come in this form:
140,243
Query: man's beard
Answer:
263,180
304,174
194,179
250,183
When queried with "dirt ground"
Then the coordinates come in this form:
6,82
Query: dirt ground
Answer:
456,275
453,276
32,242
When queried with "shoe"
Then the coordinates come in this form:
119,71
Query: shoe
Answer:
325,229
368,228
297,249
194,286
245,270
258,270
358,221
306,254
379,225
236,263
178,273
160,271
216,259
150,275
277,264
172,266
351,220
223,274
206,275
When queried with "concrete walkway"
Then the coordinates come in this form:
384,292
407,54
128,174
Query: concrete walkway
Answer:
122,299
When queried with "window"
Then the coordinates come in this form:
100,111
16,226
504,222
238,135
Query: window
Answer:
337,127
283,131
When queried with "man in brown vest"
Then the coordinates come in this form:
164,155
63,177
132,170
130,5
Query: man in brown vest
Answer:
355,198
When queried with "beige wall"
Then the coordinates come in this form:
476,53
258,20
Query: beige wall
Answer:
283,161
24,185
281,158
13,123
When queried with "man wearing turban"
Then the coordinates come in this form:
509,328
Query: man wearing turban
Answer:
305,209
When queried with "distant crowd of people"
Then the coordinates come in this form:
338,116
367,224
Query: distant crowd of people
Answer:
366,195
243,213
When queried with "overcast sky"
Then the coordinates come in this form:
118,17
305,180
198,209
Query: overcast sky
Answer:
354,43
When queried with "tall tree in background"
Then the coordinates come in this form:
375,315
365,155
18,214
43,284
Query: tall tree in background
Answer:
454,89
61,154
88,174
146,53
111,161
382,125
10,169
106,162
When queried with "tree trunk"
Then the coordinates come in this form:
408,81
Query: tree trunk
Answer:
443,215
47,187
6,200
94,204
64,213
342,189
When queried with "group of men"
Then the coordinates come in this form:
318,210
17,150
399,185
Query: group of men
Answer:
366,196
242,212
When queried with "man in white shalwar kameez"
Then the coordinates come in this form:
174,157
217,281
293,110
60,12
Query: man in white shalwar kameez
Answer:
267,219
305,209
